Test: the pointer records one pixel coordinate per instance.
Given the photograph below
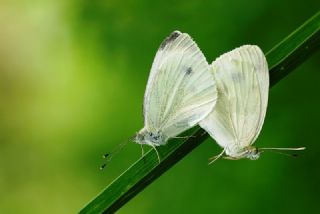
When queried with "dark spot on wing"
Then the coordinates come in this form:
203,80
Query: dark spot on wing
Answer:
103,166
105,155
169,39
189,71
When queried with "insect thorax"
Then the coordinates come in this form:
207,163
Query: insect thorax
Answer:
155,138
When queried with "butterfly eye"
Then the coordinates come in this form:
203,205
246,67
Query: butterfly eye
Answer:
140,137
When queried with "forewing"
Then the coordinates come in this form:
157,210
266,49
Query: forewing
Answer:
181,89
242,80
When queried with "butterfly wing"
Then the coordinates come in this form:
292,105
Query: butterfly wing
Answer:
242,80
181,89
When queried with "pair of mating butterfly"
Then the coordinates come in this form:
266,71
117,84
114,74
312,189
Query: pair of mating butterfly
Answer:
228,98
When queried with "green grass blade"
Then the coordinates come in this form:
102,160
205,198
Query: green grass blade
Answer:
294,49
282,59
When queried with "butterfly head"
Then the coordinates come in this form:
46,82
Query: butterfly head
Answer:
150,138
252,153
236,153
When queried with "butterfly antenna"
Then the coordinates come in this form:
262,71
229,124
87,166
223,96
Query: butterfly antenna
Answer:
114,152
285,149
214,158
282,153
278,151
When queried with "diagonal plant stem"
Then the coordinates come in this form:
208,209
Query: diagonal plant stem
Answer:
282,59
294,49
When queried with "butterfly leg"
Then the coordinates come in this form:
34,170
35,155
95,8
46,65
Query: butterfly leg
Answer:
230,158
142,153
156,152
214,158
142,150
203,133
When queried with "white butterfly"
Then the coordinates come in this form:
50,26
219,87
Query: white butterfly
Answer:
242,79
180,92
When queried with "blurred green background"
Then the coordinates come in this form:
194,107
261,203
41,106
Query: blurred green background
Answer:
72,79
